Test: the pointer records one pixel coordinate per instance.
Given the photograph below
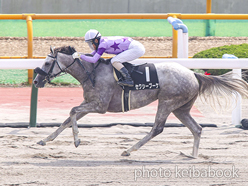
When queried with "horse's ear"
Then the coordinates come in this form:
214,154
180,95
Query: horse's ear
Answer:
52,49
72,49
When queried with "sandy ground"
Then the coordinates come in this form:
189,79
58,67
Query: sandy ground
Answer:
98,161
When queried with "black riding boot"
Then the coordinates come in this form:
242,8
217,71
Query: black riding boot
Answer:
127,80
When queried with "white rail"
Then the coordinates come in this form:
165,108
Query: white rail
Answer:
20,63
202,63
194,63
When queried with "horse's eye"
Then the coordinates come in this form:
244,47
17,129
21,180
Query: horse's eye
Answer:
47,64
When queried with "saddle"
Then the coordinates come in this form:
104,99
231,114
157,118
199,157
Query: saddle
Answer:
144,77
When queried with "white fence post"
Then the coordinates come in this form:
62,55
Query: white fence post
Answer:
237,104
182,40
237,101
185,45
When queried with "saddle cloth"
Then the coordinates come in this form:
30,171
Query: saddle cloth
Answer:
144,77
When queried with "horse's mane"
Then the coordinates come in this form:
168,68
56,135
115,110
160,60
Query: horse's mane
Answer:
65,50
70,50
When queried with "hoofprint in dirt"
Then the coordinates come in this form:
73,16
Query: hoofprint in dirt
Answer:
222,154
222,157
98,161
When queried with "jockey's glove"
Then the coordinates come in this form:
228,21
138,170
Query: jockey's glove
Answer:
76,55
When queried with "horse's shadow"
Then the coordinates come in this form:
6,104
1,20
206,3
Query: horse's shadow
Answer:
98,163
178,159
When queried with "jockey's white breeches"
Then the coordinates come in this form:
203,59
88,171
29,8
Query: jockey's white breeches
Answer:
134,51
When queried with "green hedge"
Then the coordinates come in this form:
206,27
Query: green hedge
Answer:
240,51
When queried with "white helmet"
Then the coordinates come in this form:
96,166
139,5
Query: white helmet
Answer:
90,37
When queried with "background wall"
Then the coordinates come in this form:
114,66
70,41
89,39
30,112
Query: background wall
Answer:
121,6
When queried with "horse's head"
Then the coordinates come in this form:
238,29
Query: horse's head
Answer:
58,61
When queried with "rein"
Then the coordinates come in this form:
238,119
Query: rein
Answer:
89,73
49,76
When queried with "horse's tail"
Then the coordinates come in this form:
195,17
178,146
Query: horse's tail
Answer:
210,87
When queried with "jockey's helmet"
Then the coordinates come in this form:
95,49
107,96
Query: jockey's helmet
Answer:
90,37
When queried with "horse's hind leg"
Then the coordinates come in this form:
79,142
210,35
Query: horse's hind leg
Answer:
63,126
183,114
158,127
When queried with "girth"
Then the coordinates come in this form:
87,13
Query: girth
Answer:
144,77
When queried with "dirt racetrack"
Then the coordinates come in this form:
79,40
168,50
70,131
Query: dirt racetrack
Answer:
97,161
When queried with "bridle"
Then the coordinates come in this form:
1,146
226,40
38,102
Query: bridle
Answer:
48,75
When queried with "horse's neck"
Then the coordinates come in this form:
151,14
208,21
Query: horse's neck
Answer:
79,73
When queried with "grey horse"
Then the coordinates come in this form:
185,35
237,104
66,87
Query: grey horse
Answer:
179,88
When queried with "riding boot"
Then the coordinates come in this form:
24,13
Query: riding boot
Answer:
127,80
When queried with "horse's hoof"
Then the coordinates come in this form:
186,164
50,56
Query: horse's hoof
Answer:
42,143
76,143
125,153
188,155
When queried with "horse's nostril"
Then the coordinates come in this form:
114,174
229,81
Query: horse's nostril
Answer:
35,82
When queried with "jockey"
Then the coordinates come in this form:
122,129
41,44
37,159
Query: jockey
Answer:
125,48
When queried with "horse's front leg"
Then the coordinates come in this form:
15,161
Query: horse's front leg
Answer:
86,108
75,130
63,126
